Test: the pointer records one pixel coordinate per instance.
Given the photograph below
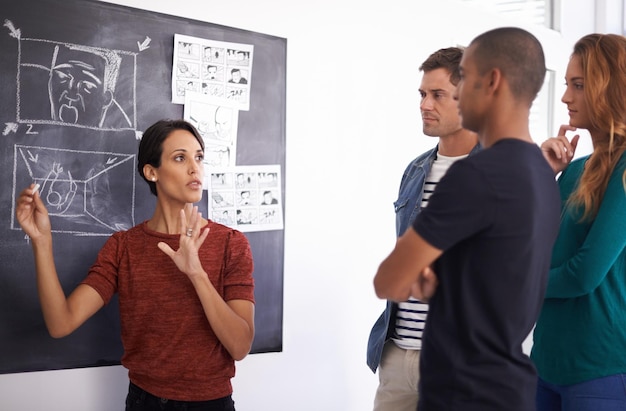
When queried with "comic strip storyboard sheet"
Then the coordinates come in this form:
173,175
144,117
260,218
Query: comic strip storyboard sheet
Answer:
218,127
212,80
221,70
247,198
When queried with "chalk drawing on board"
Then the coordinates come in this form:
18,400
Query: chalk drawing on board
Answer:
76,188
81,84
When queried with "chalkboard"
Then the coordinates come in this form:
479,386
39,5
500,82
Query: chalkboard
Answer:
87,159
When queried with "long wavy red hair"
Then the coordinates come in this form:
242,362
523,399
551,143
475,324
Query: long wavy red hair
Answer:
603,58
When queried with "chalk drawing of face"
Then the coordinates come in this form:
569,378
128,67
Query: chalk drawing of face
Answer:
81,85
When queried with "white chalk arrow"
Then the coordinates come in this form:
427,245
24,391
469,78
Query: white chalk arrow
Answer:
14,32
9,128
33,158
145,44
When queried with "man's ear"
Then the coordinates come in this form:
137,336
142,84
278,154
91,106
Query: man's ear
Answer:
494,80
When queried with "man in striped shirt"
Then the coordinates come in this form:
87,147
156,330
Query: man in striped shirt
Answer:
395,340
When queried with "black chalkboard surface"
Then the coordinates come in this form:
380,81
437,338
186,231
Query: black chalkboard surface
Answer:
87,160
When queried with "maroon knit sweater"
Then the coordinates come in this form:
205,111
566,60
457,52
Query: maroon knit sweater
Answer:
169,348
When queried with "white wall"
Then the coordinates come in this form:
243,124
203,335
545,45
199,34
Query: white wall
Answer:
352,126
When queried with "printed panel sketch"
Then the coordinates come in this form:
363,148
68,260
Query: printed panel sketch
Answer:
85,86
247,198
218,69
86,193
218,127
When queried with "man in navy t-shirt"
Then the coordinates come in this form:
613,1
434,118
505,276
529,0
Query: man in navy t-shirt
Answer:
487,234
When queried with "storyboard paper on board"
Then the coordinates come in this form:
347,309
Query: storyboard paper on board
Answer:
218,127
247,198
221,70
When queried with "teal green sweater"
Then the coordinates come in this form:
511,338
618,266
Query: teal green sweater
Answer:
581,331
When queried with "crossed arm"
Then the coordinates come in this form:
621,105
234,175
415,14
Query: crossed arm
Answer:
406,271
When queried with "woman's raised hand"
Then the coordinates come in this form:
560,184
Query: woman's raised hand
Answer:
31,213
559,151
191,238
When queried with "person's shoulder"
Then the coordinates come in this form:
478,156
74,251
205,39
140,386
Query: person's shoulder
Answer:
513,143
511,150
579,163
125,233
120,239
216,227
621,164
227,235
134,235
139,229
514,154
619,169
424,156
477,149
222,230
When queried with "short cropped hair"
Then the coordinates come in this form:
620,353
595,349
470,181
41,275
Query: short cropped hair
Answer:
519,56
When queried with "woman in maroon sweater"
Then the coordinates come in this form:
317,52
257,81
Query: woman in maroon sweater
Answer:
186,304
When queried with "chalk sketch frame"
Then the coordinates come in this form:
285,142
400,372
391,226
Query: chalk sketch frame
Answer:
147,38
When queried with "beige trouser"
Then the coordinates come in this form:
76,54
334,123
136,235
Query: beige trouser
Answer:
398,374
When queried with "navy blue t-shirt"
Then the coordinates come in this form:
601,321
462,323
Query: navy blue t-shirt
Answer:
496,216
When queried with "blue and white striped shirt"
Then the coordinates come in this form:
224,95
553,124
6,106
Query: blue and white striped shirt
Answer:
411,315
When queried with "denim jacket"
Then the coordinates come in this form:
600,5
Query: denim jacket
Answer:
407,207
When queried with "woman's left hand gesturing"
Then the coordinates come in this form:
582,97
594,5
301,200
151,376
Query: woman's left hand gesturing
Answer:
191,238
